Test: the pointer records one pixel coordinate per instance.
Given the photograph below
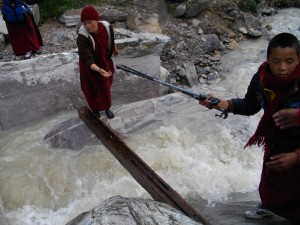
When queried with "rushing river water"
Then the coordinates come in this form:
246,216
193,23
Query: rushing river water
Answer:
193,151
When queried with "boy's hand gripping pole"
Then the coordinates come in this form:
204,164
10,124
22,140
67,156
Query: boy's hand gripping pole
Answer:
212,101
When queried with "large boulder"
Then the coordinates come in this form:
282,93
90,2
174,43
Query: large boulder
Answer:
74,134
140,44
132,211
197,9
33,89
71,18
152,15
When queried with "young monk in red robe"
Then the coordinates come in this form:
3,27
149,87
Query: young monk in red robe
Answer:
275,88
95,43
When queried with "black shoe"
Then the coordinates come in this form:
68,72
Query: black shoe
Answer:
109,113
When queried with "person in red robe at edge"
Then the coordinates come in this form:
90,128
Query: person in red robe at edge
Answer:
275,88
24,36
95,43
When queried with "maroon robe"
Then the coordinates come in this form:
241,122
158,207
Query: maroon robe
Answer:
24,36
280,192
96,87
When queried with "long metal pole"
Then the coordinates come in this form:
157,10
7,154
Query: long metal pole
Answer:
212,101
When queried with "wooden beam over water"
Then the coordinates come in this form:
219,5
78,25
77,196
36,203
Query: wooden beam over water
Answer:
139,170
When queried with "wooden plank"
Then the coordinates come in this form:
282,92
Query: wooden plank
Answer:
139,170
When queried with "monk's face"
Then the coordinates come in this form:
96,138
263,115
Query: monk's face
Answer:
91,25
283,61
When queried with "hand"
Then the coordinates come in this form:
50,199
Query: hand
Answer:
222,105
282,162
105,73
99,70
285,118
1,3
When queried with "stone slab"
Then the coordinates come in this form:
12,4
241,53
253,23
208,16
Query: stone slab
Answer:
232,211
36,88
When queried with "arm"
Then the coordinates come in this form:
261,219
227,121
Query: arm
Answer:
101,71
283,161
287,118
249,105
85,53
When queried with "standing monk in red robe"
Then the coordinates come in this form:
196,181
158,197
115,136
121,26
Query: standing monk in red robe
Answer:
95,43
275,88
24,35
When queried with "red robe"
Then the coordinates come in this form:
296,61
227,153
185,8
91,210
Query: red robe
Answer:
24,36
280,192
96,87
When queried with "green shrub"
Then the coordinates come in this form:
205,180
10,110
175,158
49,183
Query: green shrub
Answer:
54,9
171,7
248,5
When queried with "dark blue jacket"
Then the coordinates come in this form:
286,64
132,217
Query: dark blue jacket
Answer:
14,11
283,140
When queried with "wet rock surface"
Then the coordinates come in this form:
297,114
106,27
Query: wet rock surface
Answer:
34,89
129,211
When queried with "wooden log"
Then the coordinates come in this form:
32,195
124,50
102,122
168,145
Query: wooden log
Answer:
139,170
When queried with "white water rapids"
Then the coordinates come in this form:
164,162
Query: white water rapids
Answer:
194,152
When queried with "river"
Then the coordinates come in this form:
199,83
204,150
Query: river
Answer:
195,152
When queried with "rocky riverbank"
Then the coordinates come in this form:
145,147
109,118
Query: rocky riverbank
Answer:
200,32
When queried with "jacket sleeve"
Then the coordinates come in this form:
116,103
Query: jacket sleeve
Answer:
251,103
85,50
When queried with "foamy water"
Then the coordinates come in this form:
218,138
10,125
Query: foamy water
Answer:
194,152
